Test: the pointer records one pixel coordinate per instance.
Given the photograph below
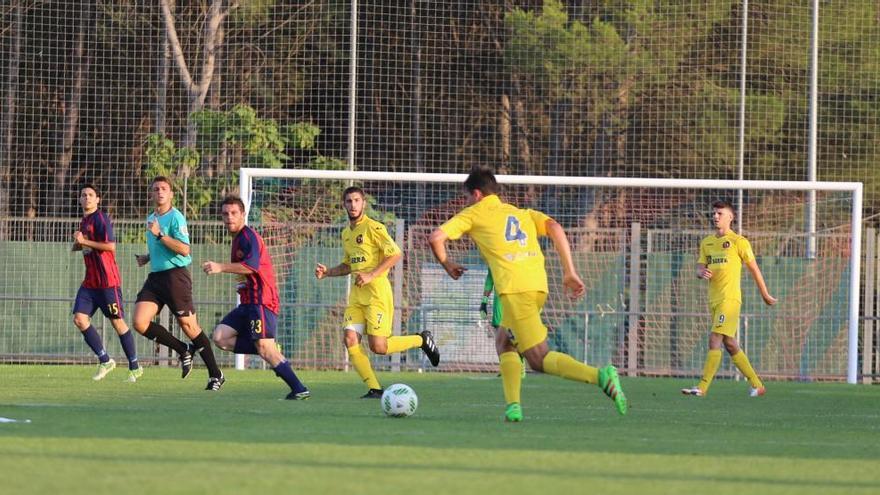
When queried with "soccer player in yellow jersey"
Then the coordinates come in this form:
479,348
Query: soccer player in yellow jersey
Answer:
369,253
507,238
722,257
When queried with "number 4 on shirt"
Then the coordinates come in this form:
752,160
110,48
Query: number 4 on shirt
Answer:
512,231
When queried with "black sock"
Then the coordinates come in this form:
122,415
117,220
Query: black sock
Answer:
207,353
158,333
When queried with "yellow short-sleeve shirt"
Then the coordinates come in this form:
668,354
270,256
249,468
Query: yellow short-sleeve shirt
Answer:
365,246
725,256
507,238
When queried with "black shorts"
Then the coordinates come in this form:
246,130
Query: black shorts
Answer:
172,288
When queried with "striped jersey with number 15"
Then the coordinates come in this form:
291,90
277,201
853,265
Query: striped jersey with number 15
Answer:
101,269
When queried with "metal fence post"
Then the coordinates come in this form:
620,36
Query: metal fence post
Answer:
868,322
634,306
398,291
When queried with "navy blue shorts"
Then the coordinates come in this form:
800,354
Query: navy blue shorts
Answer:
252,322
109,300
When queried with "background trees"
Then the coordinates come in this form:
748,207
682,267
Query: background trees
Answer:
623,88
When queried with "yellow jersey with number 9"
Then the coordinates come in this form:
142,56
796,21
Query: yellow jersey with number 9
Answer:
725,256
507,237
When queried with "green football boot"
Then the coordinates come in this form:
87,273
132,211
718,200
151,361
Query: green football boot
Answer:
609,382
134,374
513,413
103,369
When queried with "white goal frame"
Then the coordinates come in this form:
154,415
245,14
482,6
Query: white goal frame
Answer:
854,188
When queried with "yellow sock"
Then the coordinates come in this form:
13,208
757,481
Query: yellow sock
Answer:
401,343
511,376
559,364
745,367
361,364
713,361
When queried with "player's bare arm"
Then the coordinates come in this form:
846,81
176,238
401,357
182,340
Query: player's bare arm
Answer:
759,281
213,268
703,271
339,270
363,278
142,259
437,240
570,279
174,245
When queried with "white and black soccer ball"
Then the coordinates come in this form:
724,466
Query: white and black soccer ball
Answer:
399,401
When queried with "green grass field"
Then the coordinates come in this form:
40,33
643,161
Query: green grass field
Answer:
166,435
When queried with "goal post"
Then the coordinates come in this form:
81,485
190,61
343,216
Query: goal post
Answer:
600,212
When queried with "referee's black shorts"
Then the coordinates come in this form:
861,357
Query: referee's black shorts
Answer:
172,288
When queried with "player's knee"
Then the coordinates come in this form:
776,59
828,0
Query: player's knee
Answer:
81,321
380,347
350,339
535,357
732,347
140,324
535,363
190,327
218,337
502,342
268,353
224,337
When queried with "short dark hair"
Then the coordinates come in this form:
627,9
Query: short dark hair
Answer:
233,200
721,203
482,179
162,178
353,189
89,185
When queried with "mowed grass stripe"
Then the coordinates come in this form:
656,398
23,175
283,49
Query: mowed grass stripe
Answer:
166,434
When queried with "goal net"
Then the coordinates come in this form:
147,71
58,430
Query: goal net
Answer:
634,242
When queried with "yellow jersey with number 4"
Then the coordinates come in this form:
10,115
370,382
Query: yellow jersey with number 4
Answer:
507,237
725,256
365,247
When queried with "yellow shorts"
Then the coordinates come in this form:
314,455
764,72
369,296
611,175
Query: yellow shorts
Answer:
521,315
374,318
725,317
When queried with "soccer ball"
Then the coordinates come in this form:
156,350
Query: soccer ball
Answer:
399,401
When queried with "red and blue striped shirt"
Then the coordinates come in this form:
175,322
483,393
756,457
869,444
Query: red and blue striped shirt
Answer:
259,286
101,269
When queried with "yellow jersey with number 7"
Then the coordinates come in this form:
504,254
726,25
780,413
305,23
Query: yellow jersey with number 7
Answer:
364,248
507,237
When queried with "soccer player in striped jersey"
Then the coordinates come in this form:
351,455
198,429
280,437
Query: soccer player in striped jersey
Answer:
722,256
170,283
507,238
101,287
369,252
251,327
